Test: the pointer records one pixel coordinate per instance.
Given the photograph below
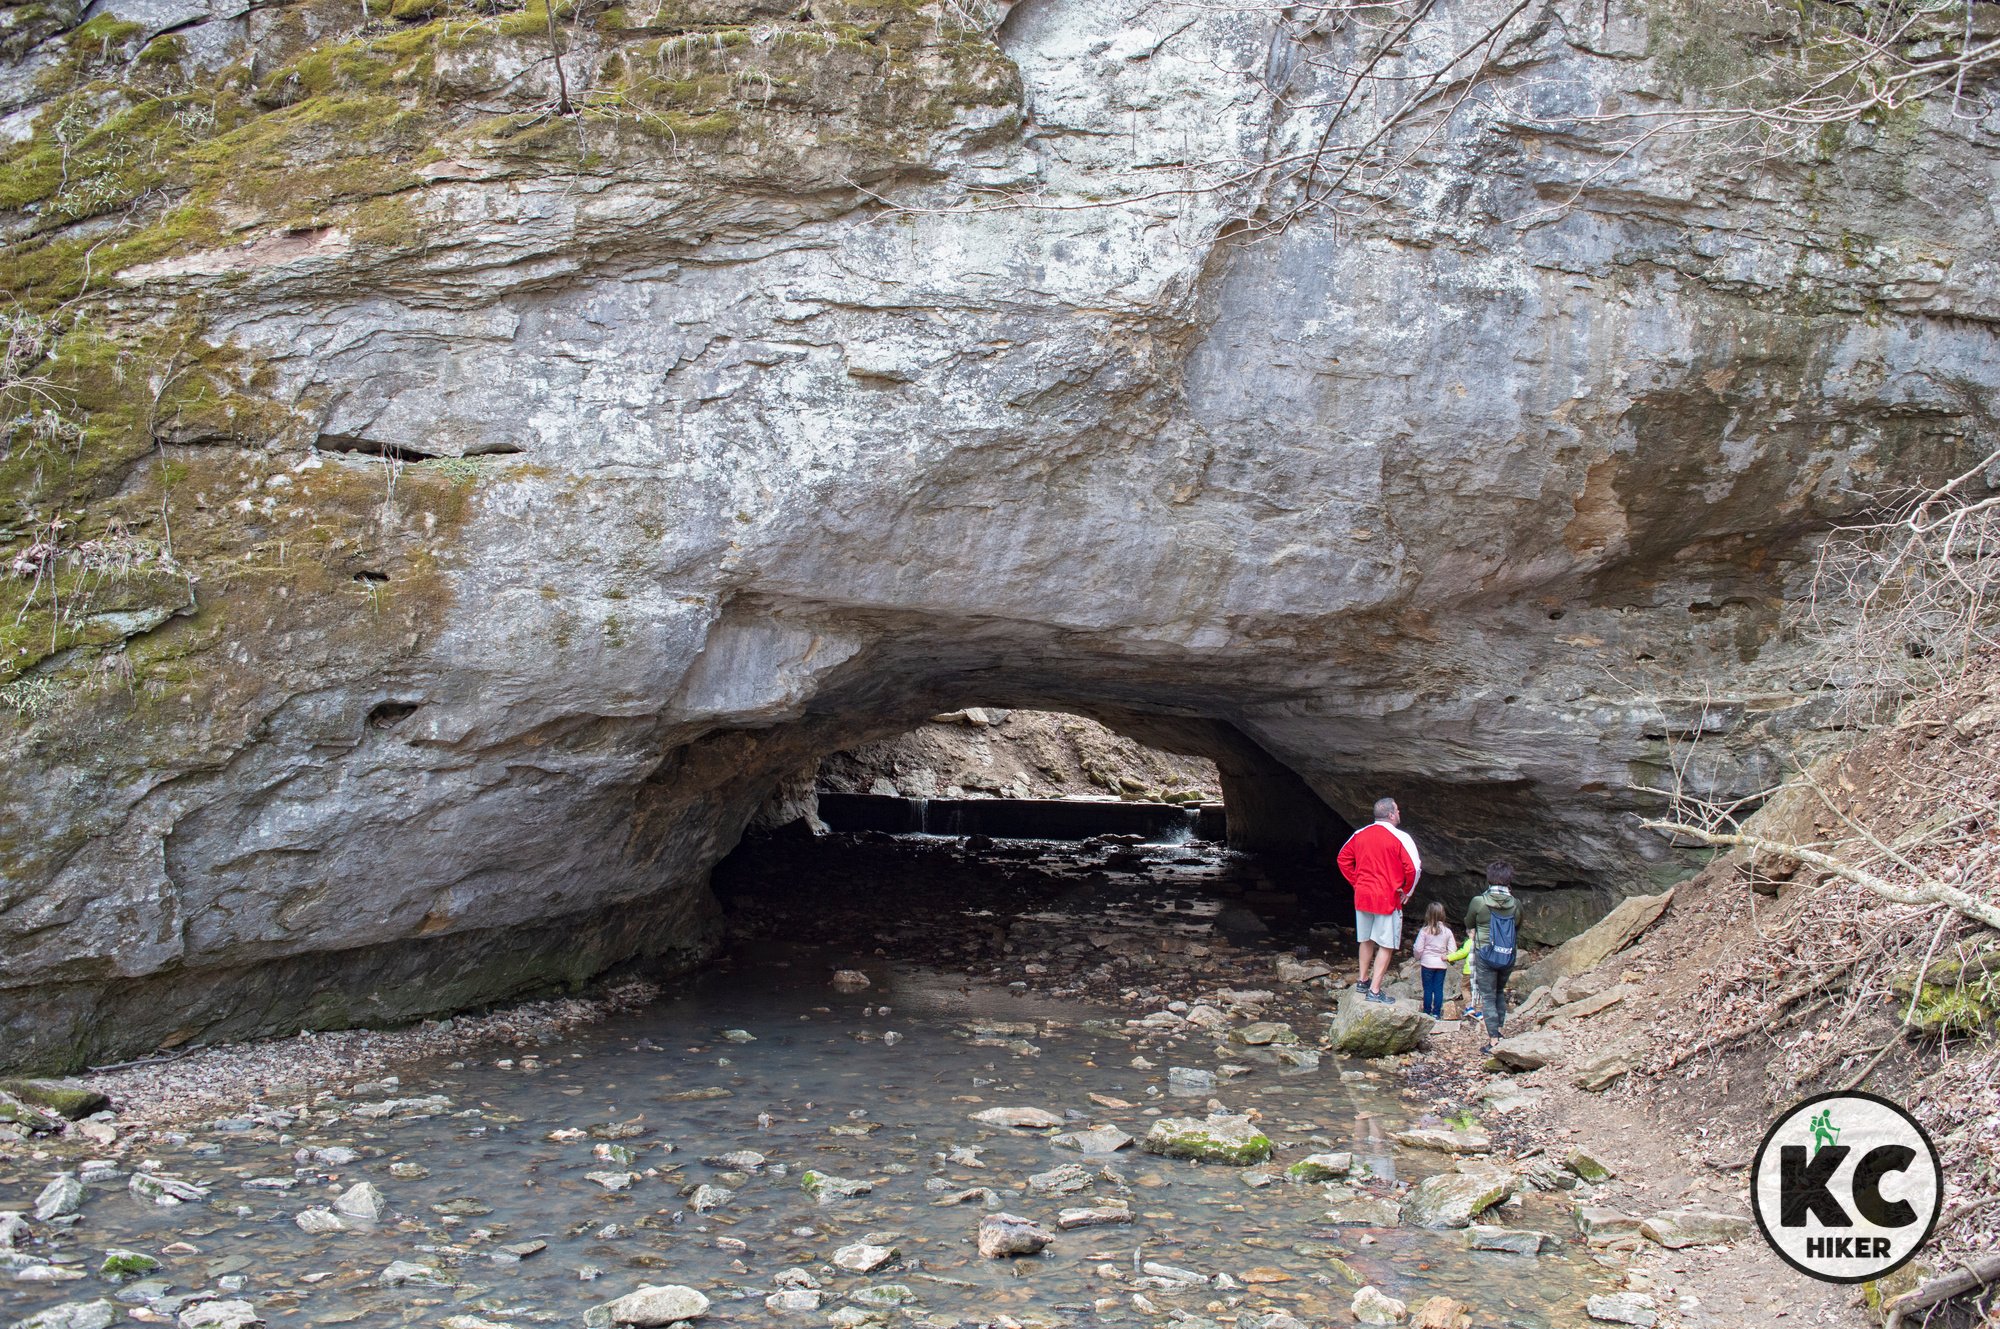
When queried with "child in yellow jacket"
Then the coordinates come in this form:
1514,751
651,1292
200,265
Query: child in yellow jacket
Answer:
1471,994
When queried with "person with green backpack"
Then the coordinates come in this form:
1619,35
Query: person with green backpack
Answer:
1492,929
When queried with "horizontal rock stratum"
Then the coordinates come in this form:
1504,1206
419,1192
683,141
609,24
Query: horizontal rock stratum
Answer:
467,515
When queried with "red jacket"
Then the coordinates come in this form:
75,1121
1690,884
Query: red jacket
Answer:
1381,869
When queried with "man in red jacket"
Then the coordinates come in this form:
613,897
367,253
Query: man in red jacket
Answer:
1381,863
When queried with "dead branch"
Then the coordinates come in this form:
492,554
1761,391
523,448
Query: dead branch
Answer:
1924,893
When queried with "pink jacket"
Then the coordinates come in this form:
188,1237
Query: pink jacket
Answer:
1431,950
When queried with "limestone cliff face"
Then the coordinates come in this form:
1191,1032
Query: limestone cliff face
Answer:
454,517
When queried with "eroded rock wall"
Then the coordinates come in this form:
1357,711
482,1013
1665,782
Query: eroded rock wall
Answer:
461,515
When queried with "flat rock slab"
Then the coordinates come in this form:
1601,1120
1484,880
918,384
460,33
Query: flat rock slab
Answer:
1676,1228
1096,1140
1321,1167
1596,1074
1448,1142
1366,1212
1601,1224
1263,1032
1019,1118
1216,1139
650,1306
1617,930
1362,1028
1101,1215
1508,1240
862,1258
1529,1052
1634,1308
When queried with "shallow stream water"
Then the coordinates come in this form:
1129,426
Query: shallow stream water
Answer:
761,1054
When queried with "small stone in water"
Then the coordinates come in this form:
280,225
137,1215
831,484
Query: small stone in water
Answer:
220,1315
120,1265
829,1190
1371,1306
706,1198
408,1171
1002,1236
59,1198
403,1272
649,1306
612,1181
862,1258
1096,1216
75,1315
318,1221
793,1300
361,1201
1020,1118
738,1036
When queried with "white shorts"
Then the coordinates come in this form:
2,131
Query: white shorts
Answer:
1385,930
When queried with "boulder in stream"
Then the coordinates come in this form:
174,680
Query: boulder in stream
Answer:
1454,1199
1362,1028
1221,1138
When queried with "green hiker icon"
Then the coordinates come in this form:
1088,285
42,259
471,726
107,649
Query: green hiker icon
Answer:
1824,1131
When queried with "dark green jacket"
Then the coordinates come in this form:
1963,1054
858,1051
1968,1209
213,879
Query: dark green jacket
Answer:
1482,908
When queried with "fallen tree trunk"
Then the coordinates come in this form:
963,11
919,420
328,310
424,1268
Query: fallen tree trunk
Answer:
1969,1278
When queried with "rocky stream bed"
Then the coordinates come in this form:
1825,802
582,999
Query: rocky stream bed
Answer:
1029,1084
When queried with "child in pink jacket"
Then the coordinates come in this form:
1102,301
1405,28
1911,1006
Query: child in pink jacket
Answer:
1433,944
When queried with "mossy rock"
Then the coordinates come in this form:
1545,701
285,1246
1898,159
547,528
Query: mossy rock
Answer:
120,1265
1232,1141
27,1114
71,1101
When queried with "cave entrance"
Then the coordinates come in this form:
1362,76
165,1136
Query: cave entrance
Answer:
990,811
1021,774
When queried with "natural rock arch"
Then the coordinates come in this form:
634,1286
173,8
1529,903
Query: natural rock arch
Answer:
539,518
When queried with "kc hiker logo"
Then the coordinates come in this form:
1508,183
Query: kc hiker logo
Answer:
1846,1187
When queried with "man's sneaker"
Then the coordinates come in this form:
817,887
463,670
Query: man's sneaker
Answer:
1381,997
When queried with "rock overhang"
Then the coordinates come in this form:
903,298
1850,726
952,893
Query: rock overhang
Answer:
1454,502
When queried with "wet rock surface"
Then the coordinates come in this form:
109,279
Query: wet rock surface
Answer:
864,1172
